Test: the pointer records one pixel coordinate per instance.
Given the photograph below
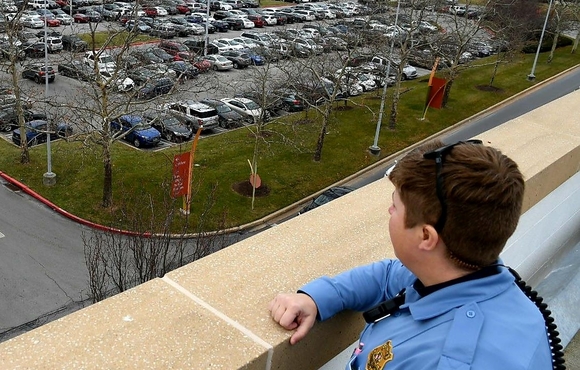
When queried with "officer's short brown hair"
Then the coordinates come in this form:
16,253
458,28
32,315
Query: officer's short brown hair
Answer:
483,190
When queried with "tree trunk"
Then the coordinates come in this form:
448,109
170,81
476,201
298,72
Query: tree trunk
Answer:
108,176
447,92
576,40
554,44
495,67
395,104
320,141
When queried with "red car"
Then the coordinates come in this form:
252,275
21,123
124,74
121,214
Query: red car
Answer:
51,21
202,65
258,20
80,18
183,9
150,12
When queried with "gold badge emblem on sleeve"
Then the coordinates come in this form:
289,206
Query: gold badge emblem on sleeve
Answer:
379,356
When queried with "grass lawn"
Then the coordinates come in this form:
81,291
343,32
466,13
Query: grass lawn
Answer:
142,179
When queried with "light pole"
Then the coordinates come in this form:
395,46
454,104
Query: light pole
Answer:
531,76
49,178
375,149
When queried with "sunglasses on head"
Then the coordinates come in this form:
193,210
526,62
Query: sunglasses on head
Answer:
439,155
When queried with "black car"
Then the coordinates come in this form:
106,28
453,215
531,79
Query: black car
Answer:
239,58
162,54
148,57
221,26
327,196
141,75
197,47
36,131
9,118
171,128
289,101
33,49
74,43
228,118
185,71
222,14
75,69
151,89
38,73
235,23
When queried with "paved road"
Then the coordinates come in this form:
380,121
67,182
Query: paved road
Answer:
41,259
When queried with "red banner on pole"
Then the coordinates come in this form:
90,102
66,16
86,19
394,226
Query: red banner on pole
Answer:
181,168
436,92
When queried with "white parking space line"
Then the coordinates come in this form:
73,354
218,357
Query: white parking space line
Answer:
1,235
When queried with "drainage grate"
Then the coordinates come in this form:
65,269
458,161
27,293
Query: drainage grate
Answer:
11,186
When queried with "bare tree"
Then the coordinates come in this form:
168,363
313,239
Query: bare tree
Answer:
117,262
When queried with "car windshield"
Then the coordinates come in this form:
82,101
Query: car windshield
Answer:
252,105
170,121
142,126
222,108
107,59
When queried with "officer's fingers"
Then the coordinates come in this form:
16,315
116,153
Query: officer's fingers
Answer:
303,329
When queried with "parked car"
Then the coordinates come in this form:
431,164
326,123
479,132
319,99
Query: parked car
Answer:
147,57
176,48
74,43
246,107
156,87
228,118
183,70
33,49
80,18
38,73
169,126
142,75
195,114
327,196
239,59
53,44
137,26
219,63
288,100
165,56
75,69
31,21
9,117
136,130
163,30
37,130
255,58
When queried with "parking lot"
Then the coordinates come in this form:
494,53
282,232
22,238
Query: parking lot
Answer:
59,97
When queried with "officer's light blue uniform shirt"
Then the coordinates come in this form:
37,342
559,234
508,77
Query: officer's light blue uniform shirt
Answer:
481,324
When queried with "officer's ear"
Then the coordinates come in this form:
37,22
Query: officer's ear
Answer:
430,238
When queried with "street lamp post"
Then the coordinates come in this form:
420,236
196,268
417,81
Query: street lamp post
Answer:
375,149
531,76
49,178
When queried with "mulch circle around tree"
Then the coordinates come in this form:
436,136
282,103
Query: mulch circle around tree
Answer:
245,188
489,88
344,107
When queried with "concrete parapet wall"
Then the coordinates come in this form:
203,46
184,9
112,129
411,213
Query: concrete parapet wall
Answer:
213,313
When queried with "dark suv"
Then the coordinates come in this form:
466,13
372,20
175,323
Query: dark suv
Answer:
38,72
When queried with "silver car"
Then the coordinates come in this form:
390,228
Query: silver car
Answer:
219,63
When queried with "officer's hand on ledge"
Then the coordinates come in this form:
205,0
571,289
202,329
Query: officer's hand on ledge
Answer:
294,311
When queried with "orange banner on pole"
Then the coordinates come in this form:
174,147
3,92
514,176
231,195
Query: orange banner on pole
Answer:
181,168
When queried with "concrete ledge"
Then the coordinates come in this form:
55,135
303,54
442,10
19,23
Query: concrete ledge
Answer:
213,312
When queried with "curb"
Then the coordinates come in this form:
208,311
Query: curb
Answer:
264,220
